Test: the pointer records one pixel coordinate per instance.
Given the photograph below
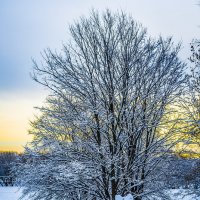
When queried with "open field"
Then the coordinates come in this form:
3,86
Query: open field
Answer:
14,193
9,193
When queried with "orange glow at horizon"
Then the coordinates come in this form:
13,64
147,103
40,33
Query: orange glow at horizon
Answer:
15,114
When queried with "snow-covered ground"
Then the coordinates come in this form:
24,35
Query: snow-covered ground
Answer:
182,194
10,193
14,193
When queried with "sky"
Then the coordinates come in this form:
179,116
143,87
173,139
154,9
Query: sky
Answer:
27,27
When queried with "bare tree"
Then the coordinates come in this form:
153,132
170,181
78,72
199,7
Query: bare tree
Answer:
194,91
190,103
99,135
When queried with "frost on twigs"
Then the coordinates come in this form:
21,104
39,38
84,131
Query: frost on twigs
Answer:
109,91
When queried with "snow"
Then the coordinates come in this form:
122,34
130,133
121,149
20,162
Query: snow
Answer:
182,194
174,194
128,197
10,193
178,194
14,193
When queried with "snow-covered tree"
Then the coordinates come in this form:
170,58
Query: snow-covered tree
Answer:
194,88
190,104
99,134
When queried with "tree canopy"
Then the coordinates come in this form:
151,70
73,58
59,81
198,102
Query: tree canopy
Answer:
99,135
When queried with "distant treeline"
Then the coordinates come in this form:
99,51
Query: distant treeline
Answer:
7,160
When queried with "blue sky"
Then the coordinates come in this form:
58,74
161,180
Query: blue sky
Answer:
27,27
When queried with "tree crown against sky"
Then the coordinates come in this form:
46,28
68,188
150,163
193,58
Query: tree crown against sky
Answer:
25,37
109,91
